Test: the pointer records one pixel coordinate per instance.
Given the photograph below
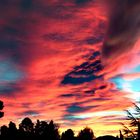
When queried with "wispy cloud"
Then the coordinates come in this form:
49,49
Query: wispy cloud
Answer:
51,66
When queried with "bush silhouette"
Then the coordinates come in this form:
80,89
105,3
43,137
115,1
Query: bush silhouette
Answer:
27,125
86,134
68,135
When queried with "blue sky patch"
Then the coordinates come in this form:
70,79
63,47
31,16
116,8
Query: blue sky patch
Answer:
9,72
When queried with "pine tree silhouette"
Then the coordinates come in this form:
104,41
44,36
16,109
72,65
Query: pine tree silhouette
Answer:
134,117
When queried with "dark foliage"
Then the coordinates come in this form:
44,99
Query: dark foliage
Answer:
1,107
133,130
86,134
68,135
28,130
43,130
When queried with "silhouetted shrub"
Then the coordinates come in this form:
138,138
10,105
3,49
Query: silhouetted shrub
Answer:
86,134
68,135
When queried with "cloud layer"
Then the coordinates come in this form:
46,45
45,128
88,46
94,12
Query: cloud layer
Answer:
51,67
123,29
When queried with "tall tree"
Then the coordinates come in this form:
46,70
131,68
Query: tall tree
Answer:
12,131
47,130
41,128
134,117
53,131
4,131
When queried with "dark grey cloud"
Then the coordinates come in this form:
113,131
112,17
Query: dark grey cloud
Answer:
59,37
9,90
124,28
26,5
11,48
90,92
68,37
69,95
86,72
93,40
8,45
71,80
82,2
83,75
76,108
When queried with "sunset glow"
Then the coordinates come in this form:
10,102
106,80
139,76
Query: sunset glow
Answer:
52,67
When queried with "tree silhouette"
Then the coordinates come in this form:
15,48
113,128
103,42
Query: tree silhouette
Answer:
128,132
1,107
26,129
12,130
53,133
86,134
4,131
38,128
68,135
43,130
27,125
134,117
121,135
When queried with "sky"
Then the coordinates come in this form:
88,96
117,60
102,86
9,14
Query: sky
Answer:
73,61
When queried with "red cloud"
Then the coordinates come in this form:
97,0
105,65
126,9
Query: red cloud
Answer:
50,41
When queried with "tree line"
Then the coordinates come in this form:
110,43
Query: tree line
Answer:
43,130
48,130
